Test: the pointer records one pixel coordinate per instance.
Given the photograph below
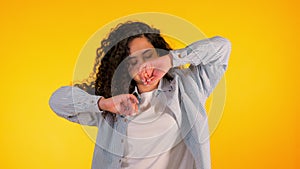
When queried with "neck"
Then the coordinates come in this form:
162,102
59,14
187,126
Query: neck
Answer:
147,88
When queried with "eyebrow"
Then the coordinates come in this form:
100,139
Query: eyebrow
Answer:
146,51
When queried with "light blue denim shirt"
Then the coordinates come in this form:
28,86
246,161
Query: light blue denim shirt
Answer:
186,95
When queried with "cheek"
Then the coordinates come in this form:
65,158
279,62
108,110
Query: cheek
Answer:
137,78
134,76
132,70
133,73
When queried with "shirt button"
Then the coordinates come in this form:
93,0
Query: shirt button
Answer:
179,55
122,141
125,120
120,160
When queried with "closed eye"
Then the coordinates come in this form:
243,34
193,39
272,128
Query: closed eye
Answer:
132,62
148,56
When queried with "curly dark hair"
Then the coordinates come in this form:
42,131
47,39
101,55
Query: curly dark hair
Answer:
112,51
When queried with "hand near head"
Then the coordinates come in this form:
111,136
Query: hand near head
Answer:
125,104
155,69
149,72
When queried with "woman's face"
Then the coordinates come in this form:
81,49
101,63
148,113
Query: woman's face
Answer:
141,50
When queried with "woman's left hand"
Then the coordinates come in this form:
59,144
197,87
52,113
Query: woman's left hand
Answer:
155,69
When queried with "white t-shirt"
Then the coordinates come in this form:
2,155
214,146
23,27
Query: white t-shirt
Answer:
154,140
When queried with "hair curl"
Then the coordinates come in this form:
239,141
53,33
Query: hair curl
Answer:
112,51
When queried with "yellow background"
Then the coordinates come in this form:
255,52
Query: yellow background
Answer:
40,42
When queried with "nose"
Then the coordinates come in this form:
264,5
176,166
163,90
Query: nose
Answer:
140,62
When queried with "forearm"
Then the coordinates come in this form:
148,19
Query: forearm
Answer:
209,61
213,50
75,105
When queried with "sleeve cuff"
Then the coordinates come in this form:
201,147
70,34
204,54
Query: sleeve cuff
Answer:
94,104
179,57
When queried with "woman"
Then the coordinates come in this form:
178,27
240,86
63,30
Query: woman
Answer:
149,113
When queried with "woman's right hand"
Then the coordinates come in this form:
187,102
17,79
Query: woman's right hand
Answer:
124,104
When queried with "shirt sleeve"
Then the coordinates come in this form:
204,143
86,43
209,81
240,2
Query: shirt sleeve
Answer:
209,57
76,105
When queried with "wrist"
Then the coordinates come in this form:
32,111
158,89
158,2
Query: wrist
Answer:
101,104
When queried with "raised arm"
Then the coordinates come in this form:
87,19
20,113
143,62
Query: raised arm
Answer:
76,105
208,58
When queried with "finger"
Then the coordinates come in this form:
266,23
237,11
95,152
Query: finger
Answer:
136,108
146,76
127,110
152,80
132,110
157,75
122,108
149,72
133,98
146,72
134,113
143,72
133,104
128,102
130,105
142,77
